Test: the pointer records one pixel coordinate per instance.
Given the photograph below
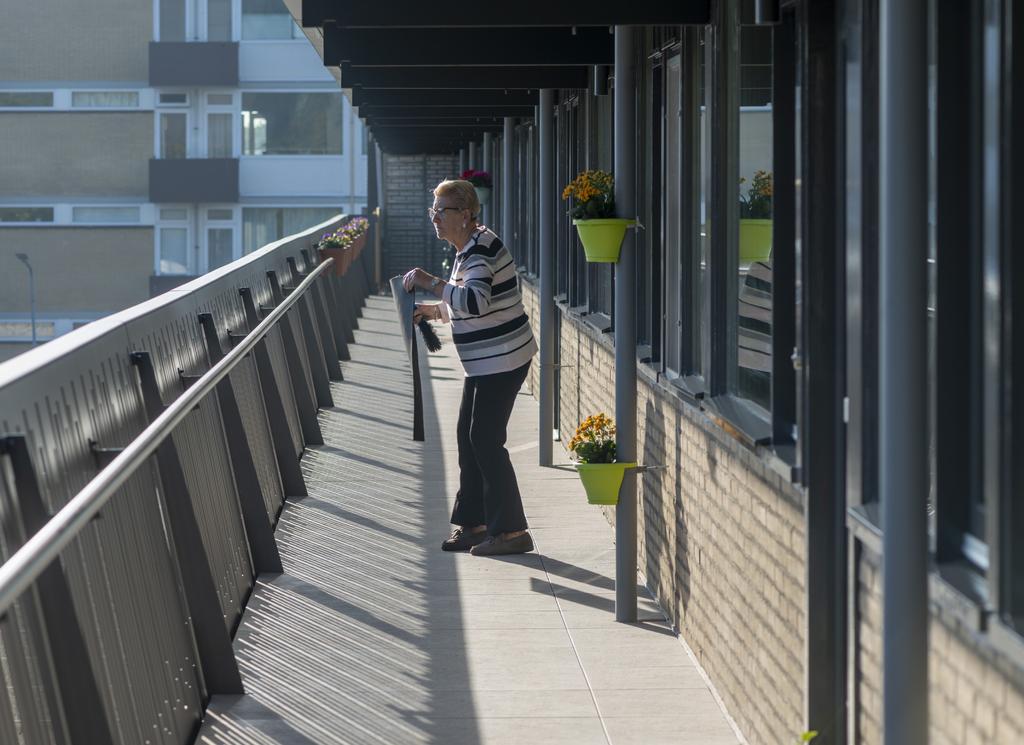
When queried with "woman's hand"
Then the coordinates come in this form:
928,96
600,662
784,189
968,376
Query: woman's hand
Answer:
416,278
430,311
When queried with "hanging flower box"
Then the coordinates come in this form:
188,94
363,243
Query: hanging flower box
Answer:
602,238
602,481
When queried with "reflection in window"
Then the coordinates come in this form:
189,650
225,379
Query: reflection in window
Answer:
218,20
105,99
172,20
671,227
261,225
291,123
15,99
105,214
702,345
218,242
218,135
173,136
26,214
754,321
173,250
268,19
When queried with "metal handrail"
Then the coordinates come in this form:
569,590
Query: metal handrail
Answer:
19,572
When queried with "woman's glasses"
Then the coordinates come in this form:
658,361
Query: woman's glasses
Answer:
439,211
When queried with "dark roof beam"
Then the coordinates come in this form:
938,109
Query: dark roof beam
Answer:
458,78
358,13
432,112
405,47
471,97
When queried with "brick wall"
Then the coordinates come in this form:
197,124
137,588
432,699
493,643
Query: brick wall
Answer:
971,699
408,182
720,537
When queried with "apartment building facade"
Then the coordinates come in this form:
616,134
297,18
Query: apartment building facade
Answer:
145,143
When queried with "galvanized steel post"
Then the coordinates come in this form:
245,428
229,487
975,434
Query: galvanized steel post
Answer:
506,181
488,165
625,326
545,125
902,405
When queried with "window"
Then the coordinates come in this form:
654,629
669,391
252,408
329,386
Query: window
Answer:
105,215
105,99
174,99
671,233
218,20
268,19
291,124
172,20
173,135
262,225
754,299
219,130
174,253
26,99
220,99
26,214
219,244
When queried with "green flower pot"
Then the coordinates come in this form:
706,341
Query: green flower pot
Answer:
602,480
602,238
483,194
755,240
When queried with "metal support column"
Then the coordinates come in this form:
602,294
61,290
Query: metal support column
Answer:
474,156
258,530
488,165
902,405
220,669
625,326
462,161
546,125
506,179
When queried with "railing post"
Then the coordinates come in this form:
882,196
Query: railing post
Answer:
341,311
303,396
220,669
287,462
314,351
328,325
326,331
84,711
258,530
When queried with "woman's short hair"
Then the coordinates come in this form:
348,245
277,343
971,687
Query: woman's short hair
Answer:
461,193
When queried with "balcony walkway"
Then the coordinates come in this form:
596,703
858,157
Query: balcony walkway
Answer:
373,635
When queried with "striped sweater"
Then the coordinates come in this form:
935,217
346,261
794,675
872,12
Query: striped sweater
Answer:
482,301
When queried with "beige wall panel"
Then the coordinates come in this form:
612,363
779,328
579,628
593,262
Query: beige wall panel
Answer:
57,40
51,154
77,270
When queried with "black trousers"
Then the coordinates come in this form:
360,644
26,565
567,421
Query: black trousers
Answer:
488,491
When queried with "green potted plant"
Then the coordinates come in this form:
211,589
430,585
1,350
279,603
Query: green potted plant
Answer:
756,219
481,181
593,446
593,213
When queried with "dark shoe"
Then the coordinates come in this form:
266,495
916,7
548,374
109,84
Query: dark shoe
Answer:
463,540
497,546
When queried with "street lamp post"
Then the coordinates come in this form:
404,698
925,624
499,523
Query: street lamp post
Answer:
31,293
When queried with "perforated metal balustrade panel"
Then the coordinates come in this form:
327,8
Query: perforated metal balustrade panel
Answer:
246,384
120,569
122,572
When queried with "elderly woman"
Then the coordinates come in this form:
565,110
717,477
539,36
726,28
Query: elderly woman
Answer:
492,334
